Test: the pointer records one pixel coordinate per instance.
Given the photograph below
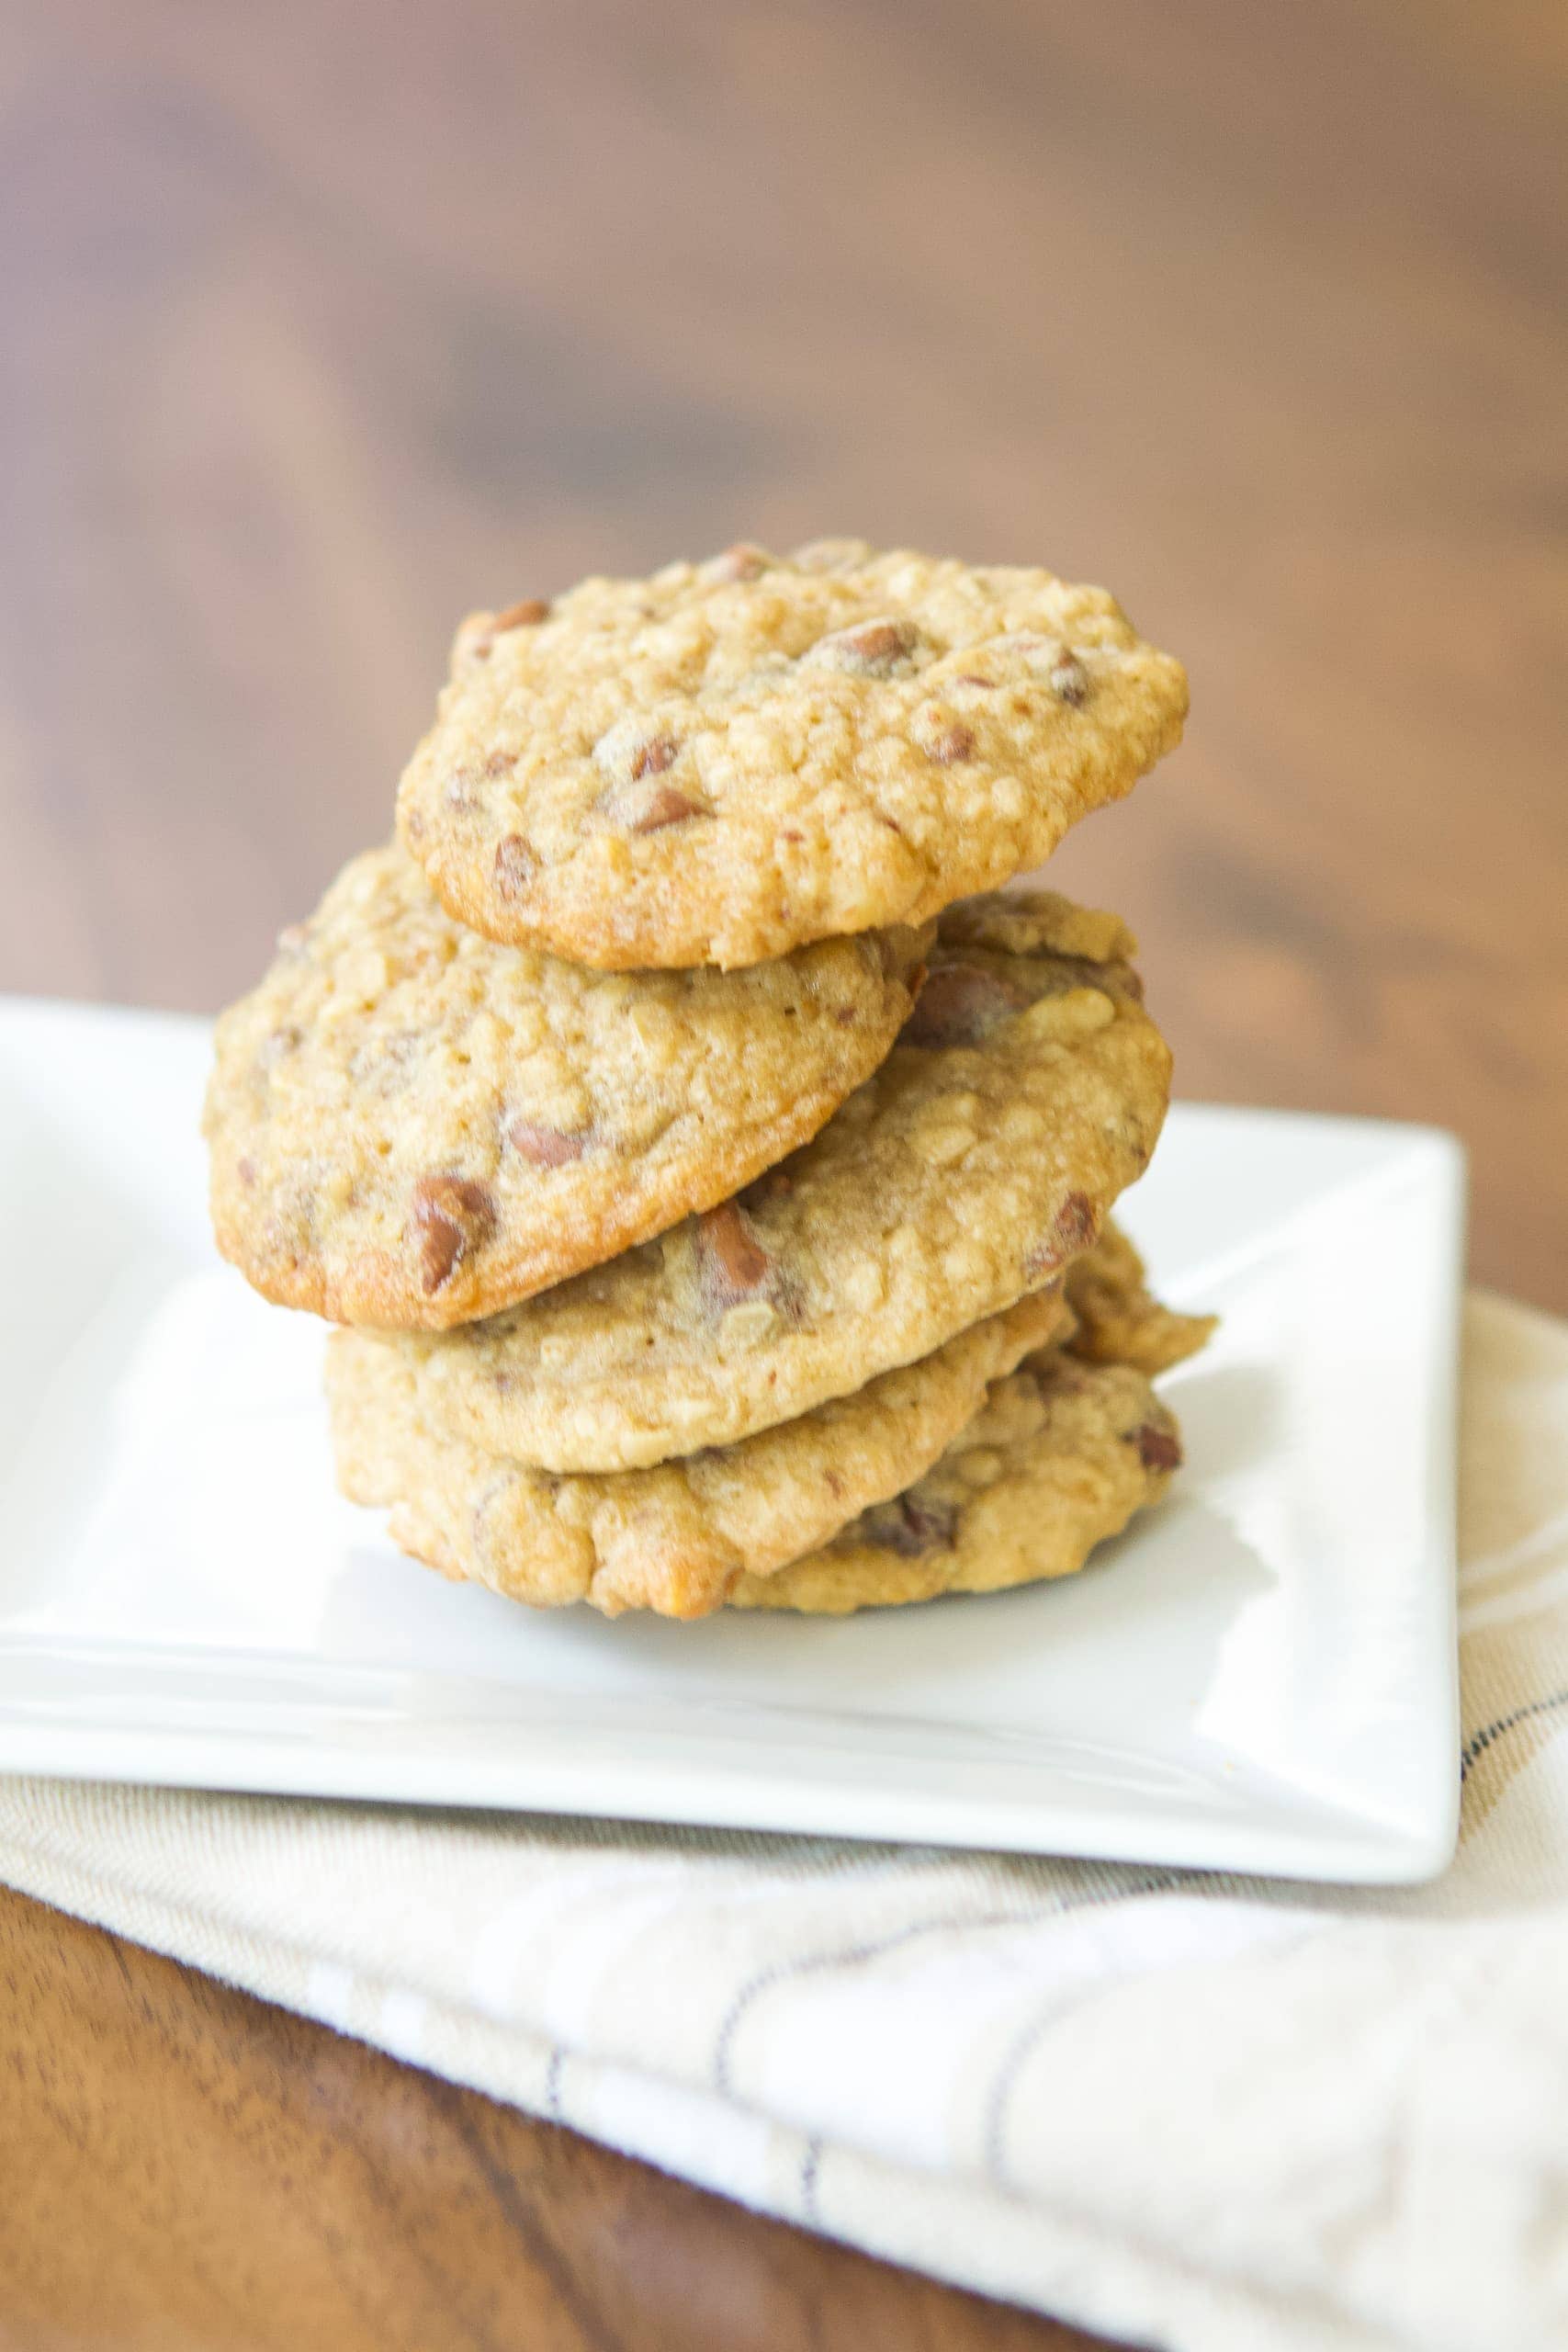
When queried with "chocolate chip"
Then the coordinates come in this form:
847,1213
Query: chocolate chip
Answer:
527,615
951,745
874,649
667,807
1069,679
959,1004
648,811
732,1261
514,864
453,1217
544,1145
911,1524
654,756
1076,1223
632,760
1157,1449
1073,1230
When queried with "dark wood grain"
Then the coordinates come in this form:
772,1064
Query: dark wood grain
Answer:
182,2168
327,320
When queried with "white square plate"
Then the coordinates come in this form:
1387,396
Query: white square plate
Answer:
1260,1676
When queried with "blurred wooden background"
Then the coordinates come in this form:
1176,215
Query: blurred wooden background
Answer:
324,320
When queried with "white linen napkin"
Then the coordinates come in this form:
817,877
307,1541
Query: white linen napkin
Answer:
1213,2114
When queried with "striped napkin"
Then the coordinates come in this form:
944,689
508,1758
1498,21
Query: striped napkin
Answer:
1209,2113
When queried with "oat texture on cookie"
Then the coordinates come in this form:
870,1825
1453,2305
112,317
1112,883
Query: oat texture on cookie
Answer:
1025,1093
410,1125
725,761
1061,1456
874,1498
674,1538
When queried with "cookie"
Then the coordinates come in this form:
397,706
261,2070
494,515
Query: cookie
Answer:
1061,1457
732,758
1118,1318
673,1538
1026,1090
410,1126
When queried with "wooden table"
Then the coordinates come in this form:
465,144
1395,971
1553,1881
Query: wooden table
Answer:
324,321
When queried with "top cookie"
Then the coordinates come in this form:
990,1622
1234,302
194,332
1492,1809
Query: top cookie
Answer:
410,1126
732,758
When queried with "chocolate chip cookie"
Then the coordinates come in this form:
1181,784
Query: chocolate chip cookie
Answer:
673,1538
730,759
411,1125
1024,1093
1061,1457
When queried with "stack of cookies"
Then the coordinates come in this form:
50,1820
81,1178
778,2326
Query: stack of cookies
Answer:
713,1171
